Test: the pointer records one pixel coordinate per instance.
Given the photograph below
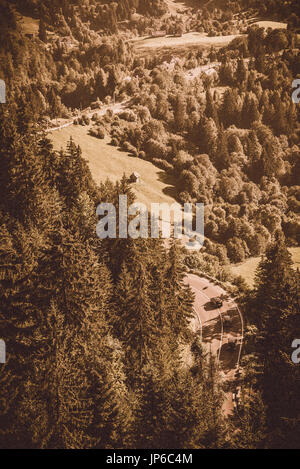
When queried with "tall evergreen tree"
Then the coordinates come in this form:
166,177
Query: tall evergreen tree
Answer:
42,31
275,307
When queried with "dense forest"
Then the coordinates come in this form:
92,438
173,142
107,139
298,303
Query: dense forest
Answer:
230,140
96,329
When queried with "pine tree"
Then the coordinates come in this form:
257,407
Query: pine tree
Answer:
228,111
180,296
42,31
180,116
255,155
112,81
20,321
79,389
207,136
250,111
211,110
222,155
23,185
198,406
136,318
241,73
248,424
154,407
74,176
277,300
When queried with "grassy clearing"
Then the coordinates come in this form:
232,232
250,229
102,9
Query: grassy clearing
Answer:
29,25
187,39
106,161
271,24
247,269
175,7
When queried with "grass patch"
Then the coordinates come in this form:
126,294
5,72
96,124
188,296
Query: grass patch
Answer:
247,270
271,24
193,38
29,25
106,161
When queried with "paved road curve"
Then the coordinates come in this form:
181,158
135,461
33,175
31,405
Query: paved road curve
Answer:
215,333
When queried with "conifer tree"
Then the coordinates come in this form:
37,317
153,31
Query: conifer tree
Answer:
20,321
211,110
222,156
275,308
180,115
23,186
248,423
180,304
228,111
136,318
42,31
241,73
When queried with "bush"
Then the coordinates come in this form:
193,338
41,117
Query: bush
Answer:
184,197
128,116
212,33
192,261
126,146
107,118
86,120
241,284
163,164
98,133
236,251
117,132
114,142
156,149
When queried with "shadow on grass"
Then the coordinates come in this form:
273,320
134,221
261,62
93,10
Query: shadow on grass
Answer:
171,190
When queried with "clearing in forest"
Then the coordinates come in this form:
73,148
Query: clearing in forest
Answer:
106,161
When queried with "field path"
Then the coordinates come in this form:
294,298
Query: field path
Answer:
115,108
175,7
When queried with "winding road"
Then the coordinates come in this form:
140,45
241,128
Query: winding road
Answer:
215,332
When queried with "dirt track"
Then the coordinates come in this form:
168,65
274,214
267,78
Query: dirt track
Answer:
115,108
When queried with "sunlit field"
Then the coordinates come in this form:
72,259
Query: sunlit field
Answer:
106,161
247,269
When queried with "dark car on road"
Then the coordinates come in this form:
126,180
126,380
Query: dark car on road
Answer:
216,302
227,321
